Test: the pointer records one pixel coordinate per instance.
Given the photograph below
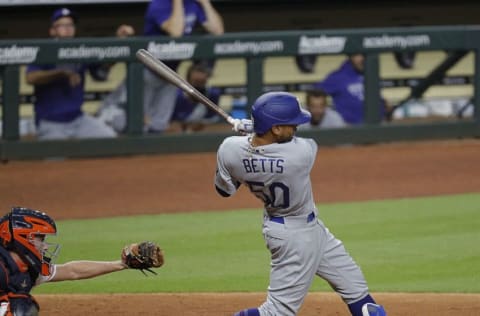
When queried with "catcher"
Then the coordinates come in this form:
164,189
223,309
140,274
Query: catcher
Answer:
26,260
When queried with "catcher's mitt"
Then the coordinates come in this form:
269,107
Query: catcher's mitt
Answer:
143,256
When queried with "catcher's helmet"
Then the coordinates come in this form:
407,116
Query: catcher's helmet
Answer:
277,108
18,230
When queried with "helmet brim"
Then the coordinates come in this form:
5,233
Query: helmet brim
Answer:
303,117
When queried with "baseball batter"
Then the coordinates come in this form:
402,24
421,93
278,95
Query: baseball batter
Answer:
275,165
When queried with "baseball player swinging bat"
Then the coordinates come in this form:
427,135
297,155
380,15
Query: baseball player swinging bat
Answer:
162,70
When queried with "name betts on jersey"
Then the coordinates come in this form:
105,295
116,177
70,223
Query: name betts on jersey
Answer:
256,165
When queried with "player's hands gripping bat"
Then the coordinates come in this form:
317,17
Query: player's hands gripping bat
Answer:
166,73
243,126
142,256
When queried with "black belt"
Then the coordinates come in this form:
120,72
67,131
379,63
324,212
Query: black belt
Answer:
281,220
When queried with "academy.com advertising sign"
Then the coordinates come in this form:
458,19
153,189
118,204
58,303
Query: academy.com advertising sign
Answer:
172,50
321,44
245,47
397,41
18,54
93,52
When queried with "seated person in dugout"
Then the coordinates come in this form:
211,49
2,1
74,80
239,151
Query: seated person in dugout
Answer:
59,89
322,115
190,115
346,87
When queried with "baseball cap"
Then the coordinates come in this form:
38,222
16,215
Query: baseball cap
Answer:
63,12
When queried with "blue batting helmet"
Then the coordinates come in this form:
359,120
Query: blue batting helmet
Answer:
277,108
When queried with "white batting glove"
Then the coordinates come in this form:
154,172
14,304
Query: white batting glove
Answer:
4,308
243,126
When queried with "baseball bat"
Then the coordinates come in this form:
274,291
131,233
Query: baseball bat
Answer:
166,73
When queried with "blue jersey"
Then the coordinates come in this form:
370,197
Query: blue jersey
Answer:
346,87
58,101
184,106
159,11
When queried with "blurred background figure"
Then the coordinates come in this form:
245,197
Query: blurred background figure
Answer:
167,18
59,89
323,116
112,109
346,87
172,18
189,115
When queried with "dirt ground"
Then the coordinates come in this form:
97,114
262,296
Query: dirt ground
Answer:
225,304
184,183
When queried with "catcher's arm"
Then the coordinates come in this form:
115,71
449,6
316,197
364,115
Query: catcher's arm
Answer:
83,269
143,256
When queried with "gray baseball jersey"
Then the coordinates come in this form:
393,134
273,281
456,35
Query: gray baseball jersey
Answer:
300,244
278,174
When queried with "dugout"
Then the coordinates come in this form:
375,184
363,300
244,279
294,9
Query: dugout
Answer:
257,50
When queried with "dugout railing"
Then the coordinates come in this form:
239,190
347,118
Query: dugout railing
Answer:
254,47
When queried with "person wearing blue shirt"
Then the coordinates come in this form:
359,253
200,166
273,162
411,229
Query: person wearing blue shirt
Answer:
175,19
59,90
346,87
190,115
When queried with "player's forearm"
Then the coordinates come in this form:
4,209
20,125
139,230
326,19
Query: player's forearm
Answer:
175,25
77,270
39,77
214,23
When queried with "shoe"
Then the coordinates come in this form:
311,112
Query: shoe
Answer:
370,309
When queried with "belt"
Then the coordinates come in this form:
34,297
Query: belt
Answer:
281,220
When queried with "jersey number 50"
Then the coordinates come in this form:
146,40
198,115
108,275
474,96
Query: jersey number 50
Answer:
275,195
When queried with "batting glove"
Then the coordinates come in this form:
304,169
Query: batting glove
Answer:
243,126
